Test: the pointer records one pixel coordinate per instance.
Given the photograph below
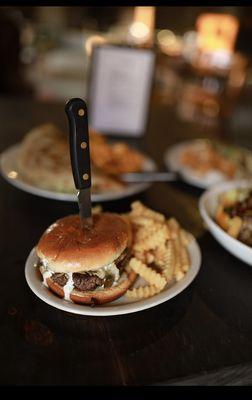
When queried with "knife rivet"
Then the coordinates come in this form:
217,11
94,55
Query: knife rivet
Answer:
83,145
85,177
81,112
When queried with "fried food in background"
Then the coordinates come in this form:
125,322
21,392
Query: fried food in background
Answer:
44,161
205,156
114,158
234,214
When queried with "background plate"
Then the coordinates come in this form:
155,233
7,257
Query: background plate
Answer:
172,162
123,305
208,204
10,173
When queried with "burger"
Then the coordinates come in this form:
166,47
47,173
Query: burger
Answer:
87,266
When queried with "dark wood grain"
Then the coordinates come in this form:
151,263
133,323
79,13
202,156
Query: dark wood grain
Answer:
238,375
195,337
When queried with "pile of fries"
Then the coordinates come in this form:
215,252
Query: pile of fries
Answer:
159,252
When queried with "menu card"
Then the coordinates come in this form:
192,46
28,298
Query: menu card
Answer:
119,89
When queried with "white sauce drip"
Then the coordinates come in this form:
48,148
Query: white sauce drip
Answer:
46,274
68,286
44,262
109,269
113,270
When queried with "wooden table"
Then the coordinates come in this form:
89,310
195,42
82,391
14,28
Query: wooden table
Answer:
202,336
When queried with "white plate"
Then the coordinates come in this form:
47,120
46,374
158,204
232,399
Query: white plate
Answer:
10,173
123,305
208,204
172,162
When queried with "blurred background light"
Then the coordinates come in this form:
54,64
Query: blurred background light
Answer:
93,41
141,30
217,32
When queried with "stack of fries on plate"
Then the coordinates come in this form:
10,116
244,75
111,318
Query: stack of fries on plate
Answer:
159,252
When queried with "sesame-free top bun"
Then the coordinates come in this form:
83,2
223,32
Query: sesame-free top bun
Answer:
66,248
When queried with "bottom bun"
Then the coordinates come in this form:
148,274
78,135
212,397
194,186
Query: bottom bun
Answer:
93,298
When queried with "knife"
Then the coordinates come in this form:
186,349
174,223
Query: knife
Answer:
76,110
148,176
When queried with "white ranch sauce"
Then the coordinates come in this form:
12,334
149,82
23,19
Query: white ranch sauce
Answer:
68,287
46,274
110,269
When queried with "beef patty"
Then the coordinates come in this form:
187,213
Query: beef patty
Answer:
89,281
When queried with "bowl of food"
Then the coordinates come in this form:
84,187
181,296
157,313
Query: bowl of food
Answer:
205,162
226,209
40,164
126,263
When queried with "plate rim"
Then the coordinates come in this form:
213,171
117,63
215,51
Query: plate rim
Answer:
48,194
135,306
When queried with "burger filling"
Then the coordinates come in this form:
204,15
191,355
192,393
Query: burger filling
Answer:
104,277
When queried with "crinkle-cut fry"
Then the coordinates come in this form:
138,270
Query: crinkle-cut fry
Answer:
149,258
142,233
150,243
159,255
146,257
140,255
138,209
96,209
177,260
235,225
169,261
136,204
141,221
185,237
143,292
160,228
174,227
179,275
149,239
147,273
173,222
184,258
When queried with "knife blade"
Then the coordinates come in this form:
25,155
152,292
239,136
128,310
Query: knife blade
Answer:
76,110
148,176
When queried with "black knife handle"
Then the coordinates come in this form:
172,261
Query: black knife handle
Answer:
76,110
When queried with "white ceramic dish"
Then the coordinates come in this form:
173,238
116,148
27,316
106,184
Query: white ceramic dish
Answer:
10,173
207,205
120,306
172,162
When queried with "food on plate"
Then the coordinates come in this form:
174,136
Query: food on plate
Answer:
87,267
204,156
114,158
44,161
159,251
103,264
234,214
